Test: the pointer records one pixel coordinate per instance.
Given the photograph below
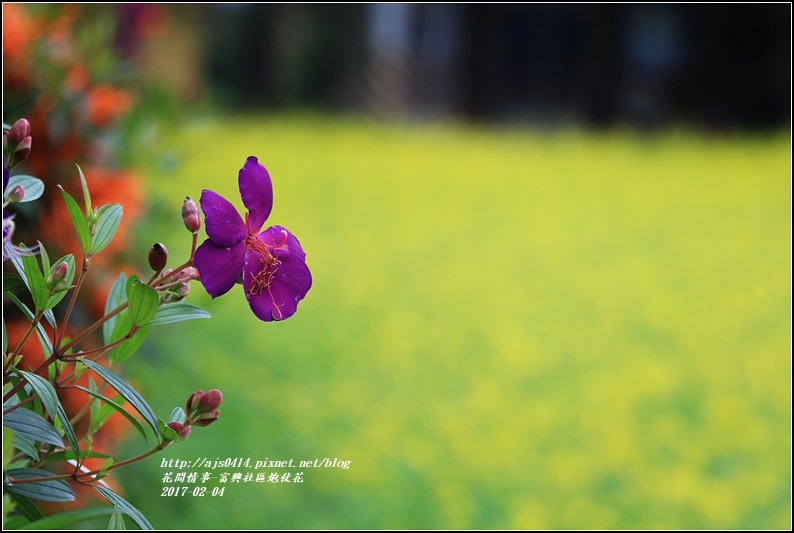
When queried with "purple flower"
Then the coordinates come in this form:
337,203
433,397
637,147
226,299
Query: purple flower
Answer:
272,263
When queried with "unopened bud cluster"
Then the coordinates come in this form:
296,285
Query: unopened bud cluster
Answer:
202,408
17,142
57,282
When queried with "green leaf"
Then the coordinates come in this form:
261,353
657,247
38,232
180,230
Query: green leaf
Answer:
79,221
109,218
178,415
177,312
12,282
117,520
30,425
45,258
129,394
86,194
34,187
67,518
36,282
56,490
26,446
8,446
116,407
5,336
116,297
143,301
123,506
126,349
26,507
166,432
49,398
44,339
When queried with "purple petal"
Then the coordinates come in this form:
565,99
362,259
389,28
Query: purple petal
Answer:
219,267
289,283
275,236
224,224
256,191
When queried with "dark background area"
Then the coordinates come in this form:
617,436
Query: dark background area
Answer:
648,64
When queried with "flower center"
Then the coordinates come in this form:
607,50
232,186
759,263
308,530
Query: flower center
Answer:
269,262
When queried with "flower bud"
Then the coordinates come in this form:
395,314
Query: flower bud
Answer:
206,419
193,401
16,194
187,274
190,215
200,405
56,281
176,293
181,429
158,256
60,271
23,149
18,132
210,401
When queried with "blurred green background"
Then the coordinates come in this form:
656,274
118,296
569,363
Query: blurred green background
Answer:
508,328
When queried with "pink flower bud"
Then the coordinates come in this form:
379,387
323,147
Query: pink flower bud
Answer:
23,148
60,271
18,132
16,194
202,408
190,215
56,281
158,256
206,419
193,401
182,430
187,274
210,401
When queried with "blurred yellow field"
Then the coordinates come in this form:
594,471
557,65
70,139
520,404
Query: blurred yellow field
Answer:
507,329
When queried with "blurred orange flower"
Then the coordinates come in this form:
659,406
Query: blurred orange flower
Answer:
105,103
20,30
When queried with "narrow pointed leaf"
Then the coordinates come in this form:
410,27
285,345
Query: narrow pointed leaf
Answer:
123,506
30,425
49,398
56,490
116,407
78,220
116,297
177,312
68,518
117,520
129,394
26,446
26,507
86,194
36,282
